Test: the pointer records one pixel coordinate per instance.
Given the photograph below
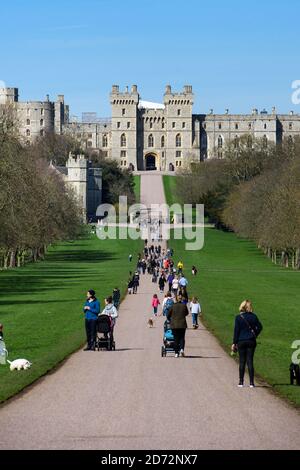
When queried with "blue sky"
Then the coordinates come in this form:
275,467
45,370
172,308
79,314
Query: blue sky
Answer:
236,54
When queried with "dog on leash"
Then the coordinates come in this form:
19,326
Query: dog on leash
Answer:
295,374
150,323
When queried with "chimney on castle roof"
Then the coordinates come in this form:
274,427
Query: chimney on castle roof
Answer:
126,89
134,89
188,89
168,90
115,89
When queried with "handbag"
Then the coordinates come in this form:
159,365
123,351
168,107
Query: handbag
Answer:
249,326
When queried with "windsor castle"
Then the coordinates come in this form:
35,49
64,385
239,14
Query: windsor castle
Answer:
143,135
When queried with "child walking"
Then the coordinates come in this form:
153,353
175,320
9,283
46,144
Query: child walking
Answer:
155,304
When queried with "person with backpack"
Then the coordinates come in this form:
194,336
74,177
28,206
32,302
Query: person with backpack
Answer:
91,309
177,318
247,327
195,309
155,303
167,304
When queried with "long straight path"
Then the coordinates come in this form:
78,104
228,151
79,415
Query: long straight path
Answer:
135,399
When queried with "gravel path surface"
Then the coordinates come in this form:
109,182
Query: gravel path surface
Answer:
134,399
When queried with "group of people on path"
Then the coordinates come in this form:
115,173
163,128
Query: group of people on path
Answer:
176,306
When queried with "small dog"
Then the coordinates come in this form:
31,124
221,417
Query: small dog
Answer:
19,364
295,374
150,323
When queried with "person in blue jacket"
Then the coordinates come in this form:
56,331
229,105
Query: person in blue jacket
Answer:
91,309
246,329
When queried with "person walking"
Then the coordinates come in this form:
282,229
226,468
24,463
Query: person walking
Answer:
116,296
91,309
161,282
167,304
170,279
130,258
195,308
111,311
155,303
183,282
177,318
247,327
180,267
135,282
175,285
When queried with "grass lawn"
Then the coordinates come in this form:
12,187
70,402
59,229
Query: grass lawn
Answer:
169,183
137,187
231,270
41,304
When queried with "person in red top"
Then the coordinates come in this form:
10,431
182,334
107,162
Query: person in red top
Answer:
155,304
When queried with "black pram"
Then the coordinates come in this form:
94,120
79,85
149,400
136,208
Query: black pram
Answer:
168,340
105,338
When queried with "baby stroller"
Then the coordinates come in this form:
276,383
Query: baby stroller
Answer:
168,346
104,339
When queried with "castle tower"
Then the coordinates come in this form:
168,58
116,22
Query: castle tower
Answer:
77,179
124,125
9,95
178,112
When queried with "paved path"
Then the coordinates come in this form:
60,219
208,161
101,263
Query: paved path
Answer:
134,399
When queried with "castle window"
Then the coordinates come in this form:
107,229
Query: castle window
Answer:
150,141
28,133
163,124
151,123
265,126
123,140
42,122
178,112
123,154
173,125
104,140
250,125
128,125
123,111
290,126
178,140
178,154
220,126
42,112
220,154
28,122
118,125
220,142
163,141
183,125
236,126
290,140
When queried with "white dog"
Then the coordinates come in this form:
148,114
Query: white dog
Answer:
19,364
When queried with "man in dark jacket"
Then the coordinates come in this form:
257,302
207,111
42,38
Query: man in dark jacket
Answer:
177,318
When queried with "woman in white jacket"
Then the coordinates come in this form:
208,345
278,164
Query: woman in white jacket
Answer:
112,312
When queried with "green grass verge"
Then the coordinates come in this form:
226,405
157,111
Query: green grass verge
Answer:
137,187
169,183
231,270
41,304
